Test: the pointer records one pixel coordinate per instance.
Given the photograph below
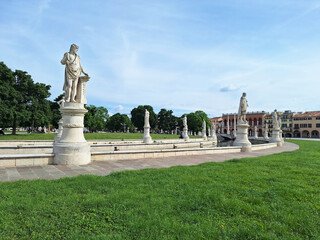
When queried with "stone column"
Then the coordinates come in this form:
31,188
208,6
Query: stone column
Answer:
228,126
72,148
265,134
146,134
255,132
242,137
204,130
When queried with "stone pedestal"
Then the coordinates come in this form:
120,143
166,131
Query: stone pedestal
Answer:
275,138
266,137
146,135
185,134
72,148
242,138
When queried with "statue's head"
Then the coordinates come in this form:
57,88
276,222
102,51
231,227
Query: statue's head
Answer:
74,47
244,94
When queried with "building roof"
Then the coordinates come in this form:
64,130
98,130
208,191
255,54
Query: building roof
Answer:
308,114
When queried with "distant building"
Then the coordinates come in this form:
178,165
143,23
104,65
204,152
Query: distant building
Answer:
229,121
306,125
286,121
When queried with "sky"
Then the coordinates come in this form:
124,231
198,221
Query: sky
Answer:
179,55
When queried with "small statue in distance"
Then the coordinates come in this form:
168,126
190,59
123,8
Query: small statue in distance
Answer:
242,112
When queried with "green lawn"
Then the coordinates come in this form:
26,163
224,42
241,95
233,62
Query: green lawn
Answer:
88,136
270,197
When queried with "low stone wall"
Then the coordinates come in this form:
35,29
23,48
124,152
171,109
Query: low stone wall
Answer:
148,151
99,147
19,160
140,154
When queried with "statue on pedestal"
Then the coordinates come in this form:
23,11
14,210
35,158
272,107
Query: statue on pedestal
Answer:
242,112
146,134
185,129
242,126
73,71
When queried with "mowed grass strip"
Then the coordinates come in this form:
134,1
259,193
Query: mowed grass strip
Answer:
270,197
89,136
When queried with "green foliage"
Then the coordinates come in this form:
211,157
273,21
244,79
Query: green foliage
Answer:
269,197
137,116
120,122
166,120
55,114
23,102
96,118
194,122
204,116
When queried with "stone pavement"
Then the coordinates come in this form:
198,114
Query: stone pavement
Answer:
106,167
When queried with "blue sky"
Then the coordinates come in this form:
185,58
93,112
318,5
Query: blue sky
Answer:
178,55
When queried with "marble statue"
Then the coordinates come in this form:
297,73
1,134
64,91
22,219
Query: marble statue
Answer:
242,112
204,130
73,71
146,118
275,120
185,129
185,122
276,131
146,134
242,126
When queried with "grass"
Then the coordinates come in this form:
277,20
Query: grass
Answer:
89,136
269,197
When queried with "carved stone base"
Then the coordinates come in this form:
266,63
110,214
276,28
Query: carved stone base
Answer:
146,136
242,138
72,153
185,135
72,148
276,137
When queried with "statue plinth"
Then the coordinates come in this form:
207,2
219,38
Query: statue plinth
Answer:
185,134
242,137
72,148
275,138
146,135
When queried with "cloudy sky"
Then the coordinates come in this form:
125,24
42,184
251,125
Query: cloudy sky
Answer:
178,55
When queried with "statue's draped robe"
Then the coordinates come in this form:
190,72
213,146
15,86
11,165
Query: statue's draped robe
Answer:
73,69
242,108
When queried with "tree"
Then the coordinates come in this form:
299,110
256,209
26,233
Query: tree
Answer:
194,122
204,116
166,120
120,122
7,93
55,114
22,101
137,116
96,118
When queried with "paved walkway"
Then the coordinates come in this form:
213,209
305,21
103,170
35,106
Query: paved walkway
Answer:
106,167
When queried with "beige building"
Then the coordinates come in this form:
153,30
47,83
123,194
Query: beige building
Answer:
306,125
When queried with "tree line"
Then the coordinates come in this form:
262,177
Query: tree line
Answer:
25,103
